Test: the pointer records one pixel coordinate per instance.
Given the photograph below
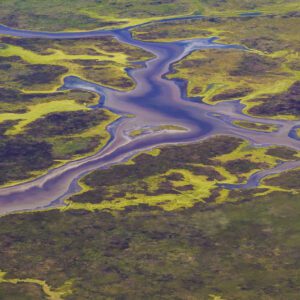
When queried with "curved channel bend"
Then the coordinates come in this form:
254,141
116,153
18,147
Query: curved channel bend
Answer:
155,101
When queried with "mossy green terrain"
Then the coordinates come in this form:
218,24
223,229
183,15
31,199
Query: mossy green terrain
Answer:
160,227
21,291
256,126
179,176
27,149
60,15
31,289
262,83
241,251
29,98
286,180
41,64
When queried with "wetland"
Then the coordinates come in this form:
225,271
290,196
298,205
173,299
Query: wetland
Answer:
149,154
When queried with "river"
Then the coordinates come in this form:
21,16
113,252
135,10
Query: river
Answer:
155,101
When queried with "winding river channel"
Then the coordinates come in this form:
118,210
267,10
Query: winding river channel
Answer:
155,101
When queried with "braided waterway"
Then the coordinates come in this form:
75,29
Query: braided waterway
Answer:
154,102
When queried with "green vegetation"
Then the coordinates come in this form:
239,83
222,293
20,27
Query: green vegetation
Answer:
282,152
286,103
265,78
31,290
241,251
21,291
36,111
90,14
178,176
29,148
24,153
19,104
159,226
60,15
41,64
42,127
286,180
18,74
256,126
235,74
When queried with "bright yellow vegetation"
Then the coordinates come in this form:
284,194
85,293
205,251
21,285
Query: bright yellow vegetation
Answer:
53,294
218,75
191,188
117,63
37,111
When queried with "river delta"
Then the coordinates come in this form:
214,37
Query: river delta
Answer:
145,160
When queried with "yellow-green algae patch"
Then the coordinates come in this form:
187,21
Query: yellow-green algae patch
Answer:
53,294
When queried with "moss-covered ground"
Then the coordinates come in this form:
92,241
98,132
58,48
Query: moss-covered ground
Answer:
245,250
265,85
41,64
179,176
28,149
60,15
31,289
115,239
256,126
